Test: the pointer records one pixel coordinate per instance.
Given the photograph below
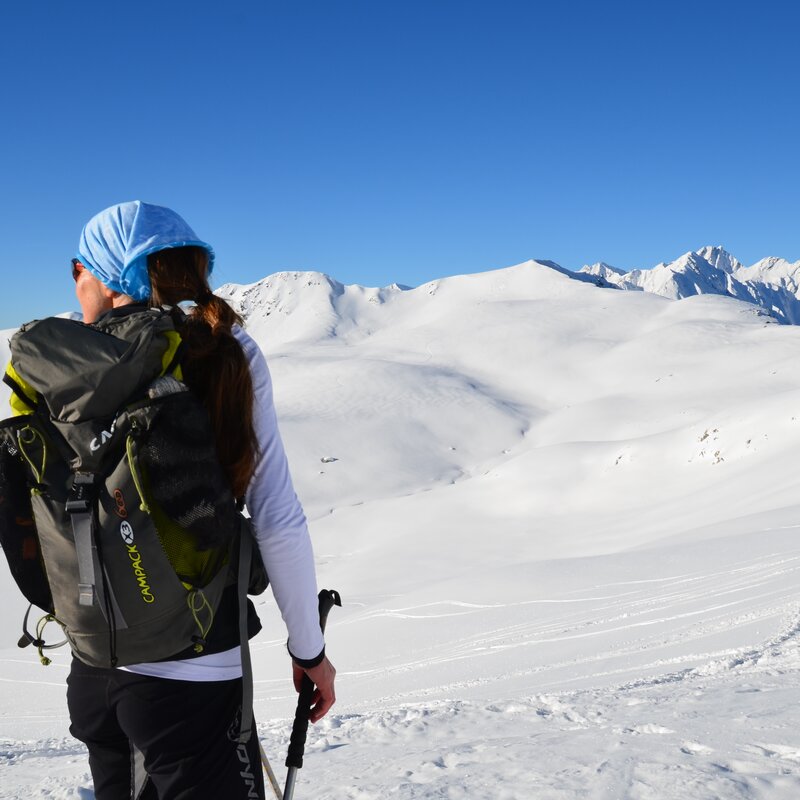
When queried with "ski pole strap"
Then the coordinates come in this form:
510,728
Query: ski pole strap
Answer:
245,556
328,598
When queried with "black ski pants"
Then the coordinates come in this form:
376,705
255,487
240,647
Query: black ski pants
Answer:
182,733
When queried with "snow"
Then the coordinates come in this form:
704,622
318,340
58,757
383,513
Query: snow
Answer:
771,283
720,258
773,271
564,523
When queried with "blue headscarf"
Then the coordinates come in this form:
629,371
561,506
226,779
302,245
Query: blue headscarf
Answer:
115,243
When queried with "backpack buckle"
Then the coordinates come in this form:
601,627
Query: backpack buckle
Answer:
82,493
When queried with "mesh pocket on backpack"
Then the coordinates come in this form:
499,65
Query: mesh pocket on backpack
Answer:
184,474
18,535
183,484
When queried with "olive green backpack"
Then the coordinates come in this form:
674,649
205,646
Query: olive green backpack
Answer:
115,515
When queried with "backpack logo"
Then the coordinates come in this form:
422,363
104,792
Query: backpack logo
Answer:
126,532
121,510
95,445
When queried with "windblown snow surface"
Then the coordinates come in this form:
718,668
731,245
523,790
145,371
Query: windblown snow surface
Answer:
564,523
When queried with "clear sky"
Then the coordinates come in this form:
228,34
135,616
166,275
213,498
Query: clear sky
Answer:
386,141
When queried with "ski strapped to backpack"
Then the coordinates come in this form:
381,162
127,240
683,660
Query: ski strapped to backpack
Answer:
115,515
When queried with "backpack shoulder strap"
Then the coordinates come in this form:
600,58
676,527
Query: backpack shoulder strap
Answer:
24,399
245,556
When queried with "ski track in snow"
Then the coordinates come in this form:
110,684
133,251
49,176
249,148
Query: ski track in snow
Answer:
682,611
640,742
712,730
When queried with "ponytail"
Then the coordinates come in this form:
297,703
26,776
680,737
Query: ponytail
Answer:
215,366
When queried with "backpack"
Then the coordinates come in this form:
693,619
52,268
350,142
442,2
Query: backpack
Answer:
115,514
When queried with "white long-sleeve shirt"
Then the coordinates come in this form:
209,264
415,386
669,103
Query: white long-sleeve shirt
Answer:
282,536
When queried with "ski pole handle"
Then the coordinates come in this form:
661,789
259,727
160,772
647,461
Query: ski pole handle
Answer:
328,598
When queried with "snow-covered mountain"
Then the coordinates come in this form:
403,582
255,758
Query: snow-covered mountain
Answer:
774,272
563,520
308,306
772,283
720,258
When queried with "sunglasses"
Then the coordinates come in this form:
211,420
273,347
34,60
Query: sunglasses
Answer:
77,268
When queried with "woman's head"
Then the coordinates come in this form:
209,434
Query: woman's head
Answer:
115,244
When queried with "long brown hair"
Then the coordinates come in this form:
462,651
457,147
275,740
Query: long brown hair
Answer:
215,366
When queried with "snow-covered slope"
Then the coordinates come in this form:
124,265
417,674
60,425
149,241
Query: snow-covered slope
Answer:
563,520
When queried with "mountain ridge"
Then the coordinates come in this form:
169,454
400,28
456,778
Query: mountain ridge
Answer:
314,305
772,283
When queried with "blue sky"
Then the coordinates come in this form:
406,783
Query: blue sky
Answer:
382,141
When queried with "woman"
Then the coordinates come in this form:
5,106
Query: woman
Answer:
180,716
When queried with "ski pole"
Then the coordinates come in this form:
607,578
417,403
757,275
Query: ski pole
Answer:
328,598
270,773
